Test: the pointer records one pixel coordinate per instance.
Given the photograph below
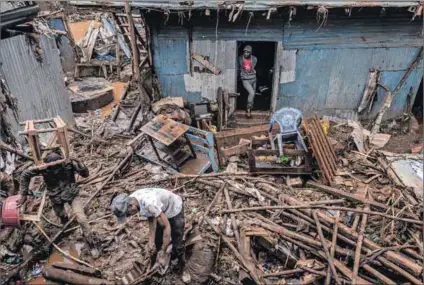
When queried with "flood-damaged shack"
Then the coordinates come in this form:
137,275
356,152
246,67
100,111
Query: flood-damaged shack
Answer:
295,191
312,55
32,81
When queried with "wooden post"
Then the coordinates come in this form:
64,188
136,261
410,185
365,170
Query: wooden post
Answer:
144,97
134,48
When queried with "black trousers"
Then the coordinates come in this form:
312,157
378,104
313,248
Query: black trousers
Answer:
177,234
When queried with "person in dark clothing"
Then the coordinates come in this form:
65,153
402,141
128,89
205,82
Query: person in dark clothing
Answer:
61,189
247,63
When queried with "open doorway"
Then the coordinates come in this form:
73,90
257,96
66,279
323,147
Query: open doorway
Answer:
265,54
417,107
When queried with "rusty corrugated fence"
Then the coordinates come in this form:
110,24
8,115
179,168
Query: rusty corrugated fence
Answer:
38,86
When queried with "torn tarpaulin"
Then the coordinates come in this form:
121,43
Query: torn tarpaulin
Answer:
108,24
88,42
409,169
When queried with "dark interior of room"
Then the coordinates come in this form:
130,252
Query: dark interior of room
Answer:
417,107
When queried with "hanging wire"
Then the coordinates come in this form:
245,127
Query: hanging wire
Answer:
248,22
166,15
216,36
322,15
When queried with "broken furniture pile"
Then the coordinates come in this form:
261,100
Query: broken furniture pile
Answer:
282,147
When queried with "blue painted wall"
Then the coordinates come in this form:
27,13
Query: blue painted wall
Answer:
67,56
328,79
332,64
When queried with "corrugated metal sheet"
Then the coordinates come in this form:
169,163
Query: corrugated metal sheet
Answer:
353,34
222,54
346,33
11,5
335,78
171,51
8,116
248,4
38,86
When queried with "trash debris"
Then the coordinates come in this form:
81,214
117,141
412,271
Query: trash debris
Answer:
307,201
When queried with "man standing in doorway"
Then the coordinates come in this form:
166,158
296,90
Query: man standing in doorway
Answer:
247,64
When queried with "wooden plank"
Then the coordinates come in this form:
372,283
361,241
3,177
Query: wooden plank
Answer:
196,139
288,152
355,198
199,58
37,217
242,131
227,152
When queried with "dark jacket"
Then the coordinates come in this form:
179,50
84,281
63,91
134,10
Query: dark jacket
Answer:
59,179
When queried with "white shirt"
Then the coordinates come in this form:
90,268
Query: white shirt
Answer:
153,201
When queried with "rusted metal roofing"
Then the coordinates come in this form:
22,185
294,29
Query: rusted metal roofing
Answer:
250,5
38,86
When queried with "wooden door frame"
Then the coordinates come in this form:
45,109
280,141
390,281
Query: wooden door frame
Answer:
276,75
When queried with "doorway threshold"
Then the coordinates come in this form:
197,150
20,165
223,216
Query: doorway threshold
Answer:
258,118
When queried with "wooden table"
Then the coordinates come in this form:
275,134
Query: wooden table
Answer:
164,129
167,131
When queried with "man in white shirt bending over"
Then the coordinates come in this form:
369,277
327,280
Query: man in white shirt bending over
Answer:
158,205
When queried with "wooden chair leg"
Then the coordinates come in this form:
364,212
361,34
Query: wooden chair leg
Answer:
191,147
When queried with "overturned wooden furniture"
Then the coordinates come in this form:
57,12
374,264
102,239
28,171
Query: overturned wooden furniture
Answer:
36,217
291,156
58,139
227,139
170,139
203,145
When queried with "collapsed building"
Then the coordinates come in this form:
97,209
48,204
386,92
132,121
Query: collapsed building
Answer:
303,51
320,183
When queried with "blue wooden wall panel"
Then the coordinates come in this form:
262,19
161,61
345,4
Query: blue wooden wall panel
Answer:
391,80
170,51
173,86
312,77
353,34
67,56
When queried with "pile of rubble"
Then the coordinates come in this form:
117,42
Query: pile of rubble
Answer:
364,228
331,206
